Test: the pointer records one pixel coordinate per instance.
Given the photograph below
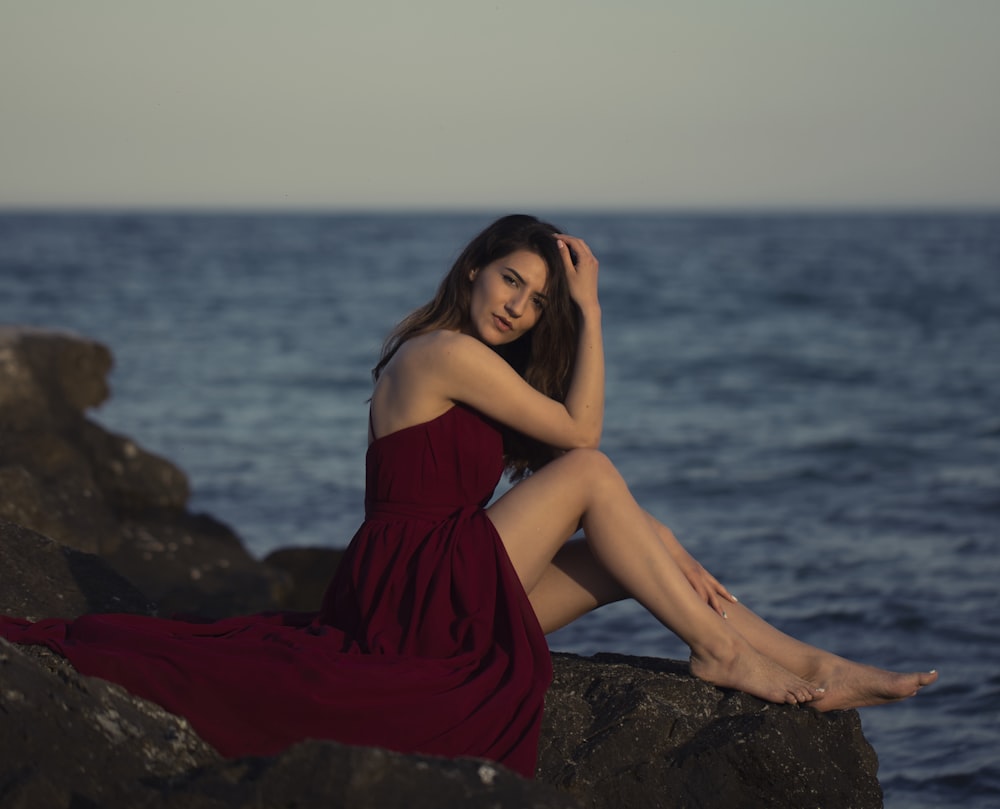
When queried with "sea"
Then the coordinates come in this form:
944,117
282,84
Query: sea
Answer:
810,400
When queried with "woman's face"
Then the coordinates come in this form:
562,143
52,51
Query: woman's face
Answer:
508,297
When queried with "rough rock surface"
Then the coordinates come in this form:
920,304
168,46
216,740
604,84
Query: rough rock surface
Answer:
618,731
39,578
69,741
641,732
65,476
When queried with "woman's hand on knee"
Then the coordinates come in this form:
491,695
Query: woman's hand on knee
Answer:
709,588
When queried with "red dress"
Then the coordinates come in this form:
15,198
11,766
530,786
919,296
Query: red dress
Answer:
426,641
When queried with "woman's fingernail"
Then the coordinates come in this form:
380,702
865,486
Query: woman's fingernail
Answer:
735,599
724,614
560,242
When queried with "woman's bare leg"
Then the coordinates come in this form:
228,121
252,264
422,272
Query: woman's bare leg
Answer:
573,585
535,518
847,684
576,583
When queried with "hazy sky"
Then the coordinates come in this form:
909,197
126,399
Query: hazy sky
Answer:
526,103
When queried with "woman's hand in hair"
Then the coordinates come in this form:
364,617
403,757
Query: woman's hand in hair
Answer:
581,275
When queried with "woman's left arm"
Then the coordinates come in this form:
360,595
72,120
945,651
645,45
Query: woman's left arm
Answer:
585,398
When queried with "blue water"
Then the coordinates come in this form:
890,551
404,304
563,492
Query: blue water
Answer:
811,402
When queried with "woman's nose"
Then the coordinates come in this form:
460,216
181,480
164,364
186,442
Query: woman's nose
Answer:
515,305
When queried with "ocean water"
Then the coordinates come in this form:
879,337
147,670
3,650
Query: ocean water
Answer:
812,402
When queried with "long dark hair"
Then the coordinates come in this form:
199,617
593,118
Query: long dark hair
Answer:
544,357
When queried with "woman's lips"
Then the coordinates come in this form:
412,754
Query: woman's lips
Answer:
502,323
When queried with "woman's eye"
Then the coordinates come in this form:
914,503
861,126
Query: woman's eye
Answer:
539,303
510,279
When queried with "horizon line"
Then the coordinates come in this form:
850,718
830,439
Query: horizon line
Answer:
761,209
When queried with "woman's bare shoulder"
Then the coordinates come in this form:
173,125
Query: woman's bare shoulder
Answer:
410,388
450,366
437,346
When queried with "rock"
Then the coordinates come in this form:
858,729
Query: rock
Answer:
67,477
310,569
131,479
66,737
70,741
193,564
49,486
324,774
39,578
618,731
641,732
49,377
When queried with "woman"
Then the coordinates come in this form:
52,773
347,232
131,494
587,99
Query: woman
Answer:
516,275
431,635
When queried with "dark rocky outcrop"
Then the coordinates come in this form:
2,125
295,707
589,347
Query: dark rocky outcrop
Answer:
641,732
90,522
65,476
310,568
70,741
39,578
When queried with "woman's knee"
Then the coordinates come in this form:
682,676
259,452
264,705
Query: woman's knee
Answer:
592,466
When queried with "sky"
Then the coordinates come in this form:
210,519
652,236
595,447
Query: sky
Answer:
455,104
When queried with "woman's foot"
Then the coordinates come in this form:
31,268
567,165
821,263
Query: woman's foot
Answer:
745,669
854,685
